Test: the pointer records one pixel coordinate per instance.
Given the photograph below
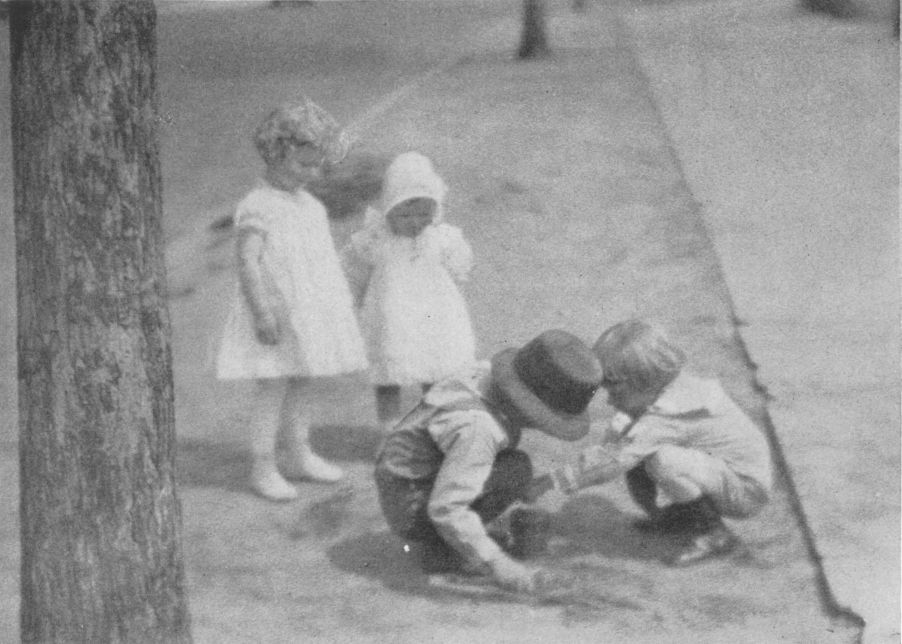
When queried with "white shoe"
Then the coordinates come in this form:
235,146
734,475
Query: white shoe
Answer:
306,464
268,483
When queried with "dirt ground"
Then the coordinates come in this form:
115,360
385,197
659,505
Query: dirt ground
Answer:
564,180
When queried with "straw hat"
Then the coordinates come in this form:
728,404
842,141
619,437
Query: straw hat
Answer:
548,383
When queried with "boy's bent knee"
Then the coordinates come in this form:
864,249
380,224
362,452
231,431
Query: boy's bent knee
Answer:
642,488
671,462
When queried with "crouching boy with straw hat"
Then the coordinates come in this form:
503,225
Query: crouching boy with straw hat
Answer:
452,464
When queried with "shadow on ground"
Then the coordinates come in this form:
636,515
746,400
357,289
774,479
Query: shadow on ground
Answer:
208,464
227,466
345,443
593,524
381,556
586,532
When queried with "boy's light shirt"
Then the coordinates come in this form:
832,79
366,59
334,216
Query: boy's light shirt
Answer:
692,412
469,440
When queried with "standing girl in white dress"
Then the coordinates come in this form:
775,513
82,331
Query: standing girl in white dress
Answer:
404,267
292,318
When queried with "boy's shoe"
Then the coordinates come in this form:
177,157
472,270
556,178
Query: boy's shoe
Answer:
268,483
501,536
717,542
677,518
306,464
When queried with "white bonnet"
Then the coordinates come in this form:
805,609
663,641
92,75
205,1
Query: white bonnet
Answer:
409,176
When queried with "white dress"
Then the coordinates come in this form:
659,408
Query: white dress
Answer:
323,337
412,313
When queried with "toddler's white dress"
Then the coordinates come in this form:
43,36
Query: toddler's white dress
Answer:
323,337
413,315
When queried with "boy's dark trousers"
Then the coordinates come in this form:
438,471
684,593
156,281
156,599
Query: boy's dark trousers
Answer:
404,503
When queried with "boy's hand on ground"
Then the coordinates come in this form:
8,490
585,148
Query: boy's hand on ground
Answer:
513,575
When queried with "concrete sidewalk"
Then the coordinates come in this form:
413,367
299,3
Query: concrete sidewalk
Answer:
786,126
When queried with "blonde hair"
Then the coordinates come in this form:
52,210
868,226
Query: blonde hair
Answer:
640,354
295,125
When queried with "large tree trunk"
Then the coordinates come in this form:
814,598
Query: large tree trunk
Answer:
101,544
533,41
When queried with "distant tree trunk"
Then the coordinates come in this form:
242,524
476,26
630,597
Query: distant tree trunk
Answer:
835,8
896,7
100,519
533,41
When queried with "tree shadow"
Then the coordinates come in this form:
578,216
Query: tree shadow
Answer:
227,465
209,464
592,524
345,443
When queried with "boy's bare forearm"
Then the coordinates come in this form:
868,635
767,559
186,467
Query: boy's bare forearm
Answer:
595,466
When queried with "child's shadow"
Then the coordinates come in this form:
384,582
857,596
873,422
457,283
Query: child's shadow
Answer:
228,465
380,556
592,524
344,443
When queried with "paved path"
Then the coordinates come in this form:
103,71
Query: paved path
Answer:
786,125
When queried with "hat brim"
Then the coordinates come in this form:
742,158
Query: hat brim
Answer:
535,413
407,195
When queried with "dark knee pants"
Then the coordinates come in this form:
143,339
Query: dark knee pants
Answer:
405,501
642,488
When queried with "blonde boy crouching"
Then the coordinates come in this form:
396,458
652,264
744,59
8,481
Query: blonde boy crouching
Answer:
677,434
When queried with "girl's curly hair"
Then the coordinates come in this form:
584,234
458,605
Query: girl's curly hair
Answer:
295,125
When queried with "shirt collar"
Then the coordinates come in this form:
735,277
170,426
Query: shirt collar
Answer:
687,394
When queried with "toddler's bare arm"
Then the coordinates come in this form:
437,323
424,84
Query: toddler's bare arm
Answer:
253,288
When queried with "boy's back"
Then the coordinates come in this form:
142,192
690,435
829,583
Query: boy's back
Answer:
697,413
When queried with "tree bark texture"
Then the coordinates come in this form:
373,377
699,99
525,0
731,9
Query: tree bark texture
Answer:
533,41
100,517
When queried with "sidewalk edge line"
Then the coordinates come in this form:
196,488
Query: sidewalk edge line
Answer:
831,605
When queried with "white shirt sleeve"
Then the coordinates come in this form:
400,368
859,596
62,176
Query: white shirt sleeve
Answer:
470,441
